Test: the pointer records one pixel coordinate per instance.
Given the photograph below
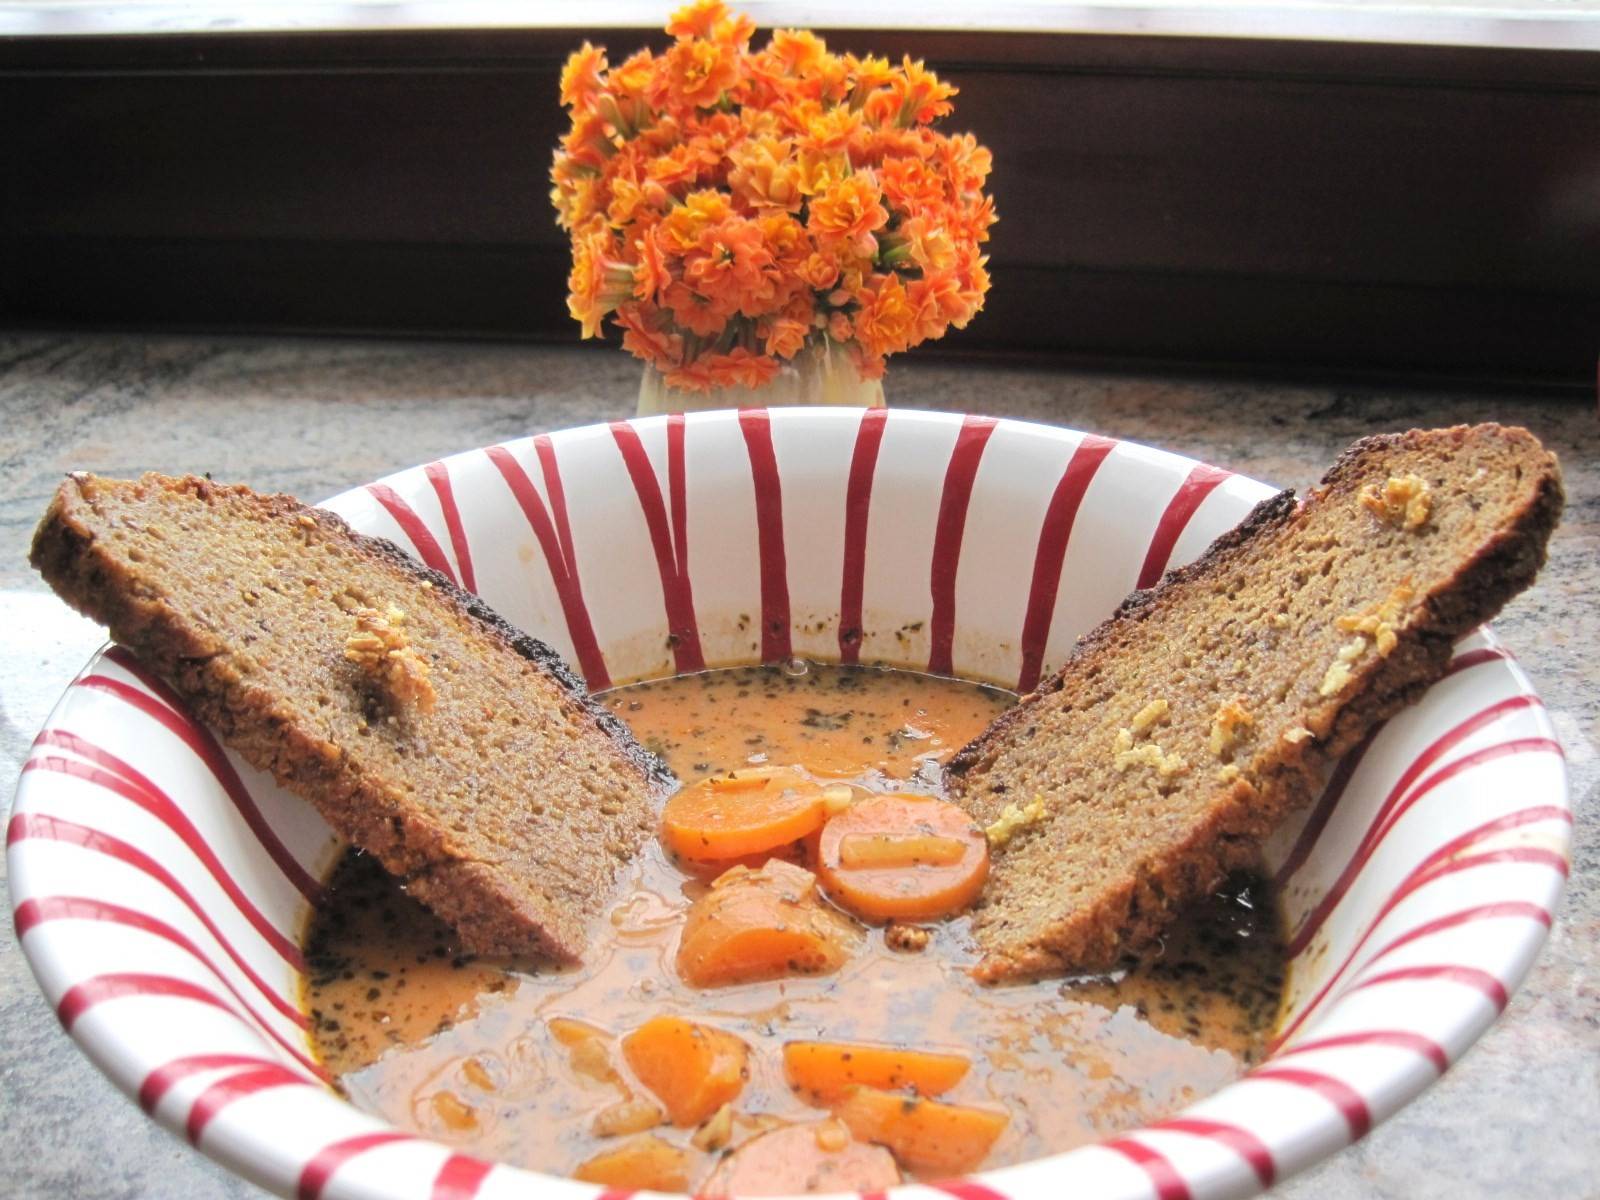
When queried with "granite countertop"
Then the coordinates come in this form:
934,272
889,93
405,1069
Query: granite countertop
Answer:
1517,1116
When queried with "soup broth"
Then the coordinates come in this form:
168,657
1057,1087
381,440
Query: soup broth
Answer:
521,1063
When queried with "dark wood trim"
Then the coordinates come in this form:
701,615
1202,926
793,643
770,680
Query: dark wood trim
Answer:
1279,205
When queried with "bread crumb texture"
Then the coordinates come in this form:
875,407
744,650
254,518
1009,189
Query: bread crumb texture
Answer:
382,649
1403,500
1271,655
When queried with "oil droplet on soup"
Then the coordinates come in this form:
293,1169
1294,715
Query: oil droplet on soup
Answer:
525,1064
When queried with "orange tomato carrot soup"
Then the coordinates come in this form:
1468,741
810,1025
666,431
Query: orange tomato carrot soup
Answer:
780,1001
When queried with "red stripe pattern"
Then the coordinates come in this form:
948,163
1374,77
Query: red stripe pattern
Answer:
1397,936
168,708
160,805
439,477
959,477
1311,832
1395,807
669,537
1241,1141
1430,755
966,1189
1404,1039
319,1171
1357,1117
85,908
555,541
1452,858
167,1076
1473,977
24,826
1200,483
756,425
122,985
857,508
460,1178
208,1105
415,528
1054,534
1165,1180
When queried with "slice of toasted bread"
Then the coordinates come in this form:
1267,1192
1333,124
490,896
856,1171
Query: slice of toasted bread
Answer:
1183,729
461,753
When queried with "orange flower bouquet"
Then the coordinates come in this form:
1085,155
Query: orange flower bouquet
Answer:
749,217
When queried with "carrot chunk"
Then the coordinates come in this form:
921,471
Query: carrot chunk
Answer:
924,1135
692,1069
765,924
819,1156
822,1072
646,1163
903,857
742,813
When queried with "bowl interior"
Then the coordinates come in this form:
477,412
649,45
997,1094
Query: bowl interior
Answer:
160,883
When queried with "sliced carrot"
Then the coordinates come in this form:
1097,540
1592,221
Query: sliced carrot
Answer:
819,1156
903,857
822,1072
693,1069
646,1163
742,813
924,1135
765,924
836,797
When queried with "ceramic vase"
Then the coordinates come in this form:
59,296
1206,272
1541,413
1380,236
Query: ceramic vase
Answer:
816,375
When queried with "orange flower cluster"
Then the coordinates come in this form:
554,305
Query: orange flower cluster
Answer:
729,207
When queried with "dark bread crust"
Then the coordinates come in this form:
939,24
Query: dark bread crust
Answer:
91,548
525,644
1025,929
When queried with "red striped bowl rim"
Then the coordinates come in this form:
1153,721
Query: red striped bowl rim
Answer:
157,881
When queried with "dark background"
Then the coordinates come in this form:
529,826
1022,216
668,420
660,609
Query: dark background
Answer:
1255,205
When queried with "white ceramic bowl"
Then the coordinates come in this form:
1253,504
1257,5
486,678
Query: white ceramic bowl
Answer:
160,883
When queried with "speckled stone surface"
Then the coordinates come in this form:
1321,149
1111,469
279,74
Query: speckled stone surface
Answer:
1518,1116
